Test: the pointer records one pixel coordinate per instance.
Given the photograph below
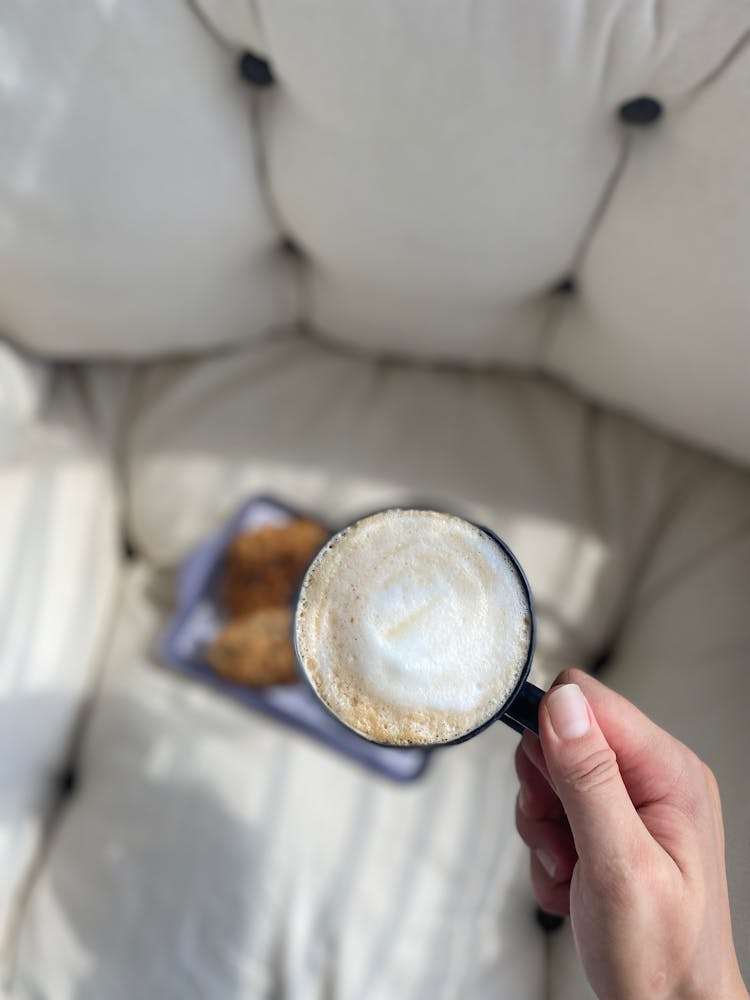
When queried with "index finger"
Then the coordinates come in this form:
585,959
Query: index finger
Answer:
537,799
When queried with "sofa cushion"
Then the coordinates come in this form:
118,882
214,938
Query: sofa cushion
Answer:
342,435
441,168
637,548
59,573
132,220
209,852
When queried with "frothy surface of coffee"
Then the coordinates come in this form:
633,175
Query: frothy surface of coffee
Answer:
413,626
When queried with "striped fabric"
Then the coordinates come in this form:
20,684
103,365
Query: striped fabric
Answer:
58,576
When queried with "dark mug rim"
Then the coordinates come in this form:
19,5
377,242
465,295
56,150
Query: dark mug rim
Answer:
522,677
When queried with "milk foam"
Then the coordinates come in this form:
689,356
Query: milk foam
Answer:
413,626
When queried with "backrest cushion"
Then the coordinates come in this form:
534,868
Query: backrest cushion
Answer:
560,187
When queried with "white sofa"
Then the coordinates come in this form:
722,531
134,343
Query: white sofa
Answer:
494,254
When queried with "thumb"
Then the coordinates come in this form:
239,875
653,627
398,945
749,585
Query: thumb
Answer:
584,771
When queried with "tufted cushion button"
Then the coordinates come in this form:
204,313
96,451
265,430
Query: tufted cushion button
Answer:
288,246
256,70
566,287
640,111
67,782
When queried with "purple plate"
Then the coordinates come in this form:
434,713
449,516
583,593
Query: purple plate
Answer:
199,618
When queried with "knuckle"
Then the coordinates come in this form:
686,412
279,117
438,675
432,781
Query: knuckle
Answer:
694,767
697,786
621,875
596,769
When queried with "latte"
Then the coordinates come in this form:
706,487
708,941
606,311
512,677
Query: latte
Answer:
413,627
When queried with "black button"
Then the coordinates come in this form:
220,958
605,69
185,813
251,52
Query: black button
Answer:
640,111
566,287
288,246
255,70
67,782
548,921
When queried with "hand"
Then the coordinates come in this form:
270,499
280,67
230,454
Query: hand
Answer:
625,829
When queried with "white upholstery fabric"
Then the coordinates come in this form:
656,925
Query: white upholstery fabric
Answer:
682,654
630,543
663,324
58,579
131,216
212,853
23,388
343,435
442,167
154,886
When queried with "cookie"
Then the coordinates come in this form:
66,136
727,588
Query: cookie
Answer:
257,650
263,569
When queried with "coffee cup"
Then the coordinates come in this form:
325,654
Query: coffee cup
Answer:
416,628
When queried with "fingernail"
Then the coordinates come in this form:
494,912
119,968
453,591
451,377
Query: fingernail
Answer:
568,711
548,862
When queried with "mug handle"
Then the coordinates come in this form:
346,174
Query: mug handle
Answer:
523,711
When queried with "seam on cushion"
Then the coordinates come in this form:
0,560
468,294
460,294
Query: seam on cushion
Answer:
680,58
295,266
207,23
223,33
734,53
557,312
298,264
